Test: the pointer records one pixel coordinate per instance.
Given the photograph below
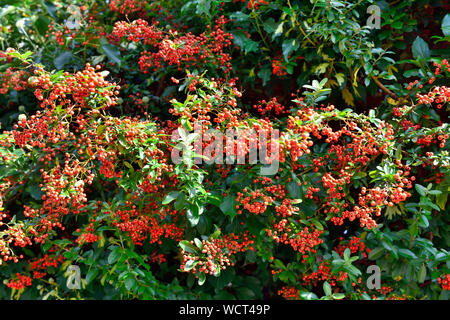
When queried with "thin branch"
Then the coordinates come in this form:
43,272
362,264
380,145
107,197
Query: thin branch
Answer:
386,90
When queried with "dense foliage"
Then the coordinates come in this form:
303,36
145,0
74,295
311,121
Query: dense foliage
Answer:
96,98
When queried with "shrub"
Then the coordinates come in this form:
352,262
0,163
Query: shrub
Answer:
230,149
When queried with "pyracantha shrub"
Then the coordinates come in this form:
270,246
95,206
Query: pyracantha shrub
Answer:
240,149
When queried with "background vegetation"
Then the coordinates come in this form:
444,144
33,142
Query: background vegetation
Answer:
90,92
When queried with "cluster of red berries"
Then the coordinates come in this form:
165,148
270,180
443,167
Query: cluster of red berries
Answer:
87,237
62,196
87,89
439,94
82,35
174,49
157,258
444,281
353,146
256,201
253,4
427,140
39,266
20,282
289,293
12,77
141,226
272,105
279,67
324,273
355,244
216,254
14,235
384,290
302,241
141,8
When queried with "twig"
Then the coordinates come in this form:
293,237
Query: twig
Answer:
386,90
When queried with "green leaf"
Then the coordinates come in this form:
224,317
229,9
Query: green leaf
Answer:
420,49
111,51
42,24
422,274
406,253
128,165
245,294
97,59
265,74
446,25
327,288
193,214
228,207
421,189
224,295
424,201
423,222
294,190
441,200
270,26
100,130
190,265
308,296
308,207
51,9
201,278
130,282
347,253
289,46
204,6
279,30
198,243
317,224
216,232
242,41
61,60
376,253
114,255
215,200
279,264
239,16
187,246
340,77
35,192
321,68
170,197
91,275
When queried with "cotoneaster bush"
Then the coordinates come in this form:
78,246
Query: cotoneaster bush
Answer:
93,95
